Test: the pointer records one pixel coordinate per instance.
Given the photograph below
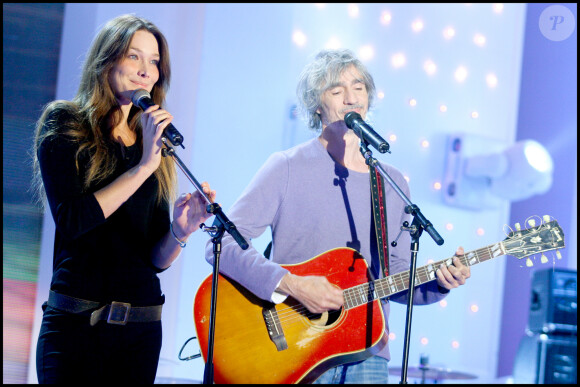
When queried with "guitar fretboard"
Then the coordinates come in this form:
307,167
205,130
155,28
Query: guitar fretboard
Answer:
396,283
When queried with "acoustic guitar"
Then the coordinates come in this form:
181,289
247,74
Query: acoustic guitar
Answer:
257,341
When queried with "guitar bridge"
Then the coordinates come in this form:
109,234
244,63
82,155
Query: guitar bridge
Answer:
275,328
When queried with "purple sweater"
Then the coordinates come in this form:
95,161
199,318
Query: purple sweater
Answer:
313,205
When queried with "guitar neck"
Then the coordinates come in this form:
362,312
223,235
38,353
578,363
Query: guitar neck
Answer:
396,283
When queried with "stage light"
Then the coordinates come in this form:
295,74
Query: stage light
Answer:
460,74
479,40
299,38
430,67
417,25
398,60
497,8
484,173
448,33
386,17
491,80
366,52
353,10
333,44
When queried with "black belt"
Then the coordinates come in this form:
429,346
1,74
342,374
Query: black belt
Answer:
119,313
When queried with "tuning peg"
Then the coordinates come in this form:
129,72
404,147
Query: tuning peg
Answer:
544,259
529,262
518,227
558,254
532,222
546,218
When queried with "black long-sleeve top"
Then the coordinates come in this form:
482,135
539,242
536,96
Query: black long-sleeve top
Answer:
95,258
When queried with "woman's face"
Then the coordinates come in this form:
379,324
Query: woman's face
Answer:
139,69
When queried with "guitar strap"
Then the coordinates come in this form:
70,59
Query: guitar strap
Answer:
380,218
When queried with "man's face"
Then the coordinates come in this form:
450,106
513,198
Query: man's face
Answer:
350,94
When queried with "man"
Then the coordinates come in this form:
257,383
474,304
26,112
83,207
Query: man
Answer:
316,197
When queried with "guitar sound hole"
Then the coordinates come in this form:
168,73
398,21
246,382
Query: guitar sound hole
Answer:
326,318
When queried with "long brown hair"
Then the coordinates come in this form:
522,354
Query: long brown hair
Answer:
96,110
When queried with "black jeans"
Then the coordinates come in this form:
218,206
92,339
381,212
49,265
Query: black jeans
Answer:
69,350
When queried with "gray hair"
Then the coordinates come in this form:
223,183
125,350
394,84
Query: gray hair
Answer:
320,74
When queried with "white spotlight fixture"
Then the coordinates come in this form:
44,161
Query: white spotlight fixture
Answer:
484,173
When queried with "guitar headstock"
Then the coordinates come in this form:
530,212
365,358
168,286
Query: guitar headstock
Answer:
547,236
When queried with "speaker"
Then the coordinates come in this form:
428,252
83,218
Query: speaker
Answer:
543,359
553,305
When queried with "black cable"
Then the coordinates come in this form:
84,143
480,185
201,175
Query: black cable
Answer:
189,357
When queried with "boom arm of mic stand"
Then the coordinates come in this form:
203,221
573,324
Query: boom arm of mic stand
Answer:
212,208
419,224
222,223
410,208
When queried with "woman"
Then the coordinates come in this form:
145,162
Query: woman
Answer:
98,163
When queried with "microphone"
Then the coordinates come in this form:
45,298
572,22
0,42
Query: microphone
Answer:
142,98
355,122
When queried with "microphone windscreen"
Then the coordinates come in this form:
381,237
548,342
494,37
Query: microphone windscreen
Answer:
138,94
350,118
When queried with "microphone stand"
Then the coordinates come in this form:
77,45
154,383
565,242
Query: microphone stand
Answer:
419,224
220,225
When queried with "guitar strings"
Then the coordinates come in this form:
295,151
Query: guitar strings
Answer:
291,315
361,294
357,293
371,291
